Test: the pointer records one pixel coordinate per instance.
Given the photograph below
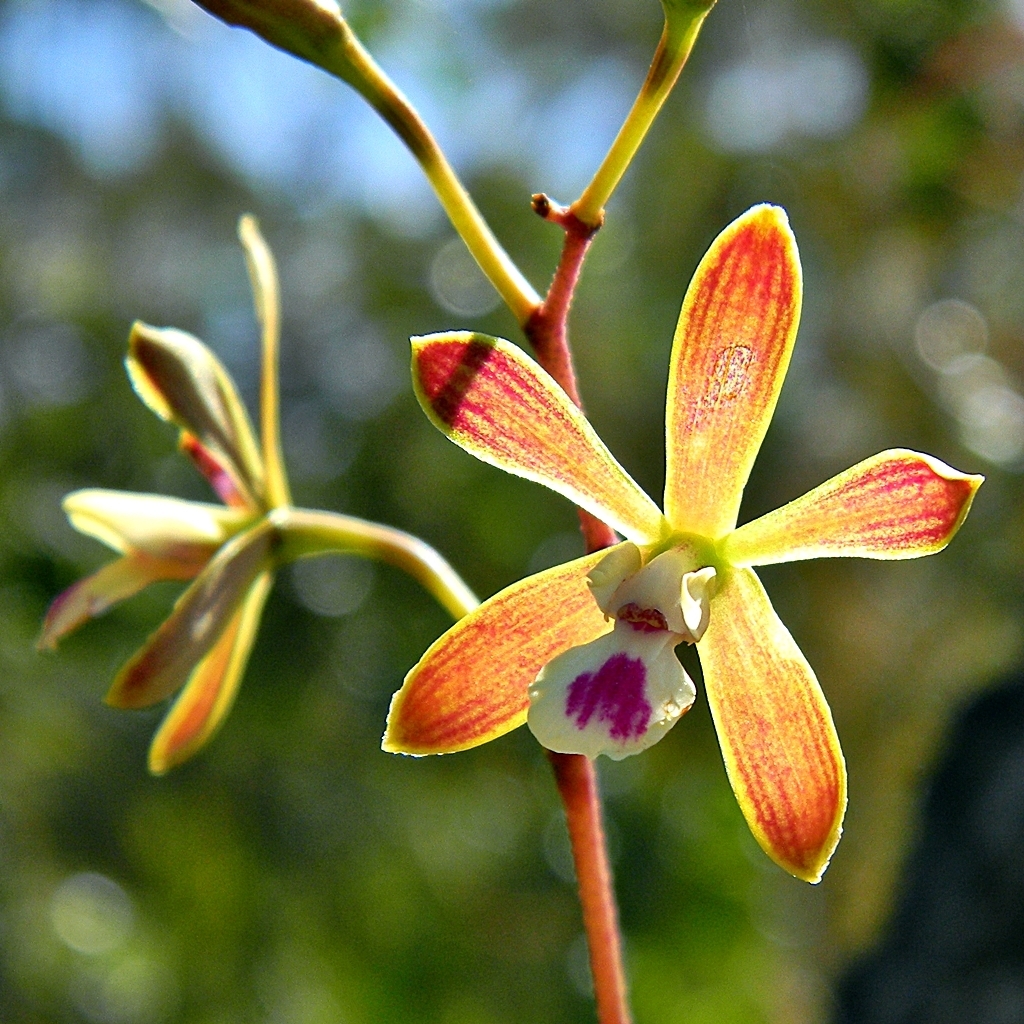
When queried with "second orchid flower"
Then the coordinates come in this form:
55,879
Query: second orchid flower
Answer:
229,551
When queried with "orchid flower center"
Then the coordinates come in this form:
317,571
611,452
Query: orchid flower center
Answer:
669,593
622,692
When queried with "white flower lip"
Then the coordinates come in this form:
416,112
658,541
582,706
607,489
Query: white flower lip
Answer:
617,695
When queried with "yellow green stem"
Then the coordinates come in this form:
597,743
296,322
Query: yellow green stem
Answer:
682,25
305,533
316,31
388,100
267,299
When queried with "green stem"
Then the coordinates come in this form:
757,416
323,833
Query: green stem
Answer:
682,25
305,533
387,99
315,31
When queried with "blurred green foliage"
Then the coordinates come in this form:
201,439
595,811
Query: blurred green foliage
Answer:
293,872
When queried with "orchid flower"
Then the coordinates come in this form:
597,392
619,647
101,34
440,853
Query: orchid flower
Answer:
229,551
585,651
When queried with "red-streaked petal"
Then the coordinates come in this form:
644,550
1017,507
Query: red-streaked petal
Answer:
216,475
207,697
183,382
94,594
490,398
731,351
472,684
189,531
898,504
778,740
199,618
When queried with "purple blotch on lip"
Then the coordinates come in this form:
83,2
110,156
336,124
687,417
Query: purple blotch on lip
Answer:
615,693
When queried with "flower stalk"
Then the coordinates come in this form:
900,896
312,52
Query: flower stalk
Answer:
316,31
548,329
576,779
308,533
575,774
683,21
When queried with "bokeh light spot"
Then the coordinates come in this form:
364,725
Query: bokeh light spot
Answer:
818,92
91,913
458,284
948,329
332,585
989,409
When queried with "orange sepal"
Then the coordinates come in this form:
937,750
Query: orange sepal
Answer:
778,740
493,400
731,350
471,685
897,504
203,704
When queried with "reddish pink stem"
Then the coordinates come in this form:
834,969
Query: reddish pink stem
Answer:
547,330
577,786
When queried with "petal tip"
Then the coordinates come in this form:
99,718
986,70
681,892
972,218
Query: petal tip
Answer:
115,697
158,763
392,743
807,855
767,212
46,641
164,754
764,219
960,493
401,735
393,740
53,628
419,735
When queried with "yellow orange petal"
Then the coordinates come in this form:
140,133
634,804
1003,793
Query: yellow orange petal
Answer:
780,746
183,382
198,620
472,684
490,398
203,704
897,504
94,594
731,351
